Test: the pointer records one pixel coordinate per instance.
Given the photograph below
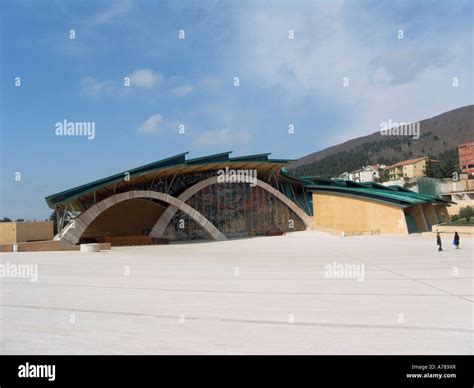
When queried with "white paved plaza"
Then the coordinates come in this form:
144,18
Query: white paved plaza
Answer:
266,295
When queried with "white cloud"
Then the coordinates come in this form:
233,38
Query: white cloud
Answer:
93,87
116,10
156,124
221,138
141,78
182,90
145,78
152,125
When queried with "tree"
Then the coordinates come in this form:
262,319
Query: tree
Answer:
466,212
6,219
433,170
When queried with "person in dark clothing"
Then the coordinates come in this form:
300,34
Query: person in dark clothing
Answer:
456,240
438,242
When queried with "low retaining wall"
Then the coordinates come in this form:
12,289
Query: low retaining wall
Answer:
50,245
18,232
452,229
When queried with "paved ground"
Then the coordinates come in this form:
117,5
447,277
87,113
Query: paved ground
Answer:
262,295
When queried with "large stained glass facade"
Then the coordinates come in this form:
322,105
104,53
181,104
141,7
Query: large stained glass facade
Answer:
237,210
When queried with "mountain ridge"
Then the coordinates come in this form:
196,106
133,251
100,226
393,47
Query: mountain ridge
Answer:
439,135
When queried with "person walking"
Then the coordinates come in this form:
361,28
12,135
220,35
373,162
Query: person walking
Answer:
438,242
456,240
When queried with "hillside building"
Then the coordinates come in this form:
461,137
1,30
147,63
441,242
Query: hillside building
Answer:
408,169
466,157
370,173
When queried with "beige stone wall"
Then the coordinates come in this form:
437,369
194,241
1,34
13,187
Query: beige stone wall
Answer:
15,232
354,215
454,209
7,232
34,231
127,218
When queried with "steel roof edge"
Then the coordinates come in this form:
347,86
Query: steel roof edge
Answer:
69,194
408,191
220,157
300,179
372,192
393,189
256,157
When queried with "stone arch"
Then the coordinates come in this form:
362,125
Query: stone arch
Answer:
76,228
160,226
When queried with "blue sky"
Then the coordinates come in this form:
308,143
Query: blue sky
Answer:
191,81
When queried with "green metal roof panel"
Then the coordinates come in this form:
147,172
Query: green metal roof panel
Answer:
251,158
221,157
406,191
378,189
296,178
281,160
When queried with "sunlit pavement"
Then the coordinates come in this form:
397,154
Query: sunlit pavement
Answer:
304,293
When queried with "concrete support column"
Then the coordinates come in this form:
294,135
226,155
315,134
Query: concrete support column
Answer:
430,214
419,218
402,223
423,216
442,213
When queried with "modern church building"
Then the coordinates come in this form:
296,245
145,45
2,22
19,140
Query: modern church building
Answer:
220,197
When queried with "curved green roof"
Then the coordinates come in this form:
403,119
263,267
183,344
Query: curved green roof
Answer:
171,162
394,195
